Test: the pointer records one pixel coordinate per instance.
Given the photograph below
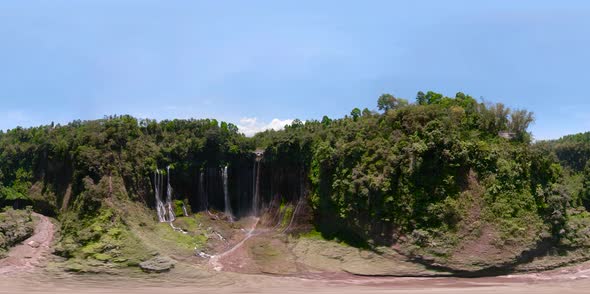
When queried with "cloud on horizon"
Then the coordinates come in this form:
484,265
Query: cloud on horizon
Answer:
250,125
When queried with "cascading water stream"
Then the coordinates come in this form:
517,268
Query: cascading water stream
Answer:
203,201
228,210
256,192
160,208
164,210
171,216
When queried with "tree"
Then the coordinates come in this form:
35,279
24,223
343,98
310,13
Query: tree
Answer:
433,97
401,102
296,124
494,117
224,126
388,101
501,116
520,121
585,193
326,121
421,98
232,128
355,113
14,197
385,102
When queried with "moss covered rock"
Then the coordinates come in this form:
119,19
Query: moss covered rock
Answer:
158,264
15,226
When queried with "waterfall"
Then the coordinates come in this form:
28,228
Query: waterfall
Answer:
164,210
184,210
301,198
203,201
228,210
160,208
256,192
171,216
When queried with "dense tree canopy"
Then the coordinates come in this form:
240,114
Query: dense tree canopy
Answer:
387,102
59,156
421,172
422,167
405,169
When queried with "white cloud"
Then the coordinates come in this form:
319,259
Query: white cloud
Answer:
250,125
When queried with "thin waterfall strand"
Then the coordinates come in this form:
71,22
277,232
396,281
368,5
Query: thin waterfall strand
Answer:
204,201
171,216
160,208
164,210
256,192
228,210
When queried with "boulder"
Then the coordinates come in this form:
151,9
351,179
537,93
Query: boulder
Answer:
34,244
158,264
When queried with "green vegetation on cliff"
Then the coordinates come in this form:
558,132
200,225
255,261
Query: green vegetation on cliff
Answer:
49,163
91,175
454,181
448,180
573,152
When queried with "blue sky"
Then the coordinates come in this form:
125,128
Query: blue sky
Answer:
252,62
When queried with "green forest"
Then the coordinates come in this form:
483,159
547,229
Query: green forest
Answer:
448,181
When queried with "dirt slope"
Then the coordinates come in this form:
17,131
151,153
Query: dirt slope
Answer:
31,253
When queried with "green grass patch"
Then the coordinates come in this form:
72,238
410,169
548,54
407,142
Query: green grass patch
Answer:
313,234
287,214
193,239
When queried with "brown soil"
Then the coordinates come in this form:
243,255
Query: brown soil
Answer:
32,252
292,265
235,257
265,249
236,283
478,237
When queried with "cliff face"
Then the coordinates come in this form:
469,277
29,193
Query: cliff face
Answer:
58,181
50,164
433,179
247,177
